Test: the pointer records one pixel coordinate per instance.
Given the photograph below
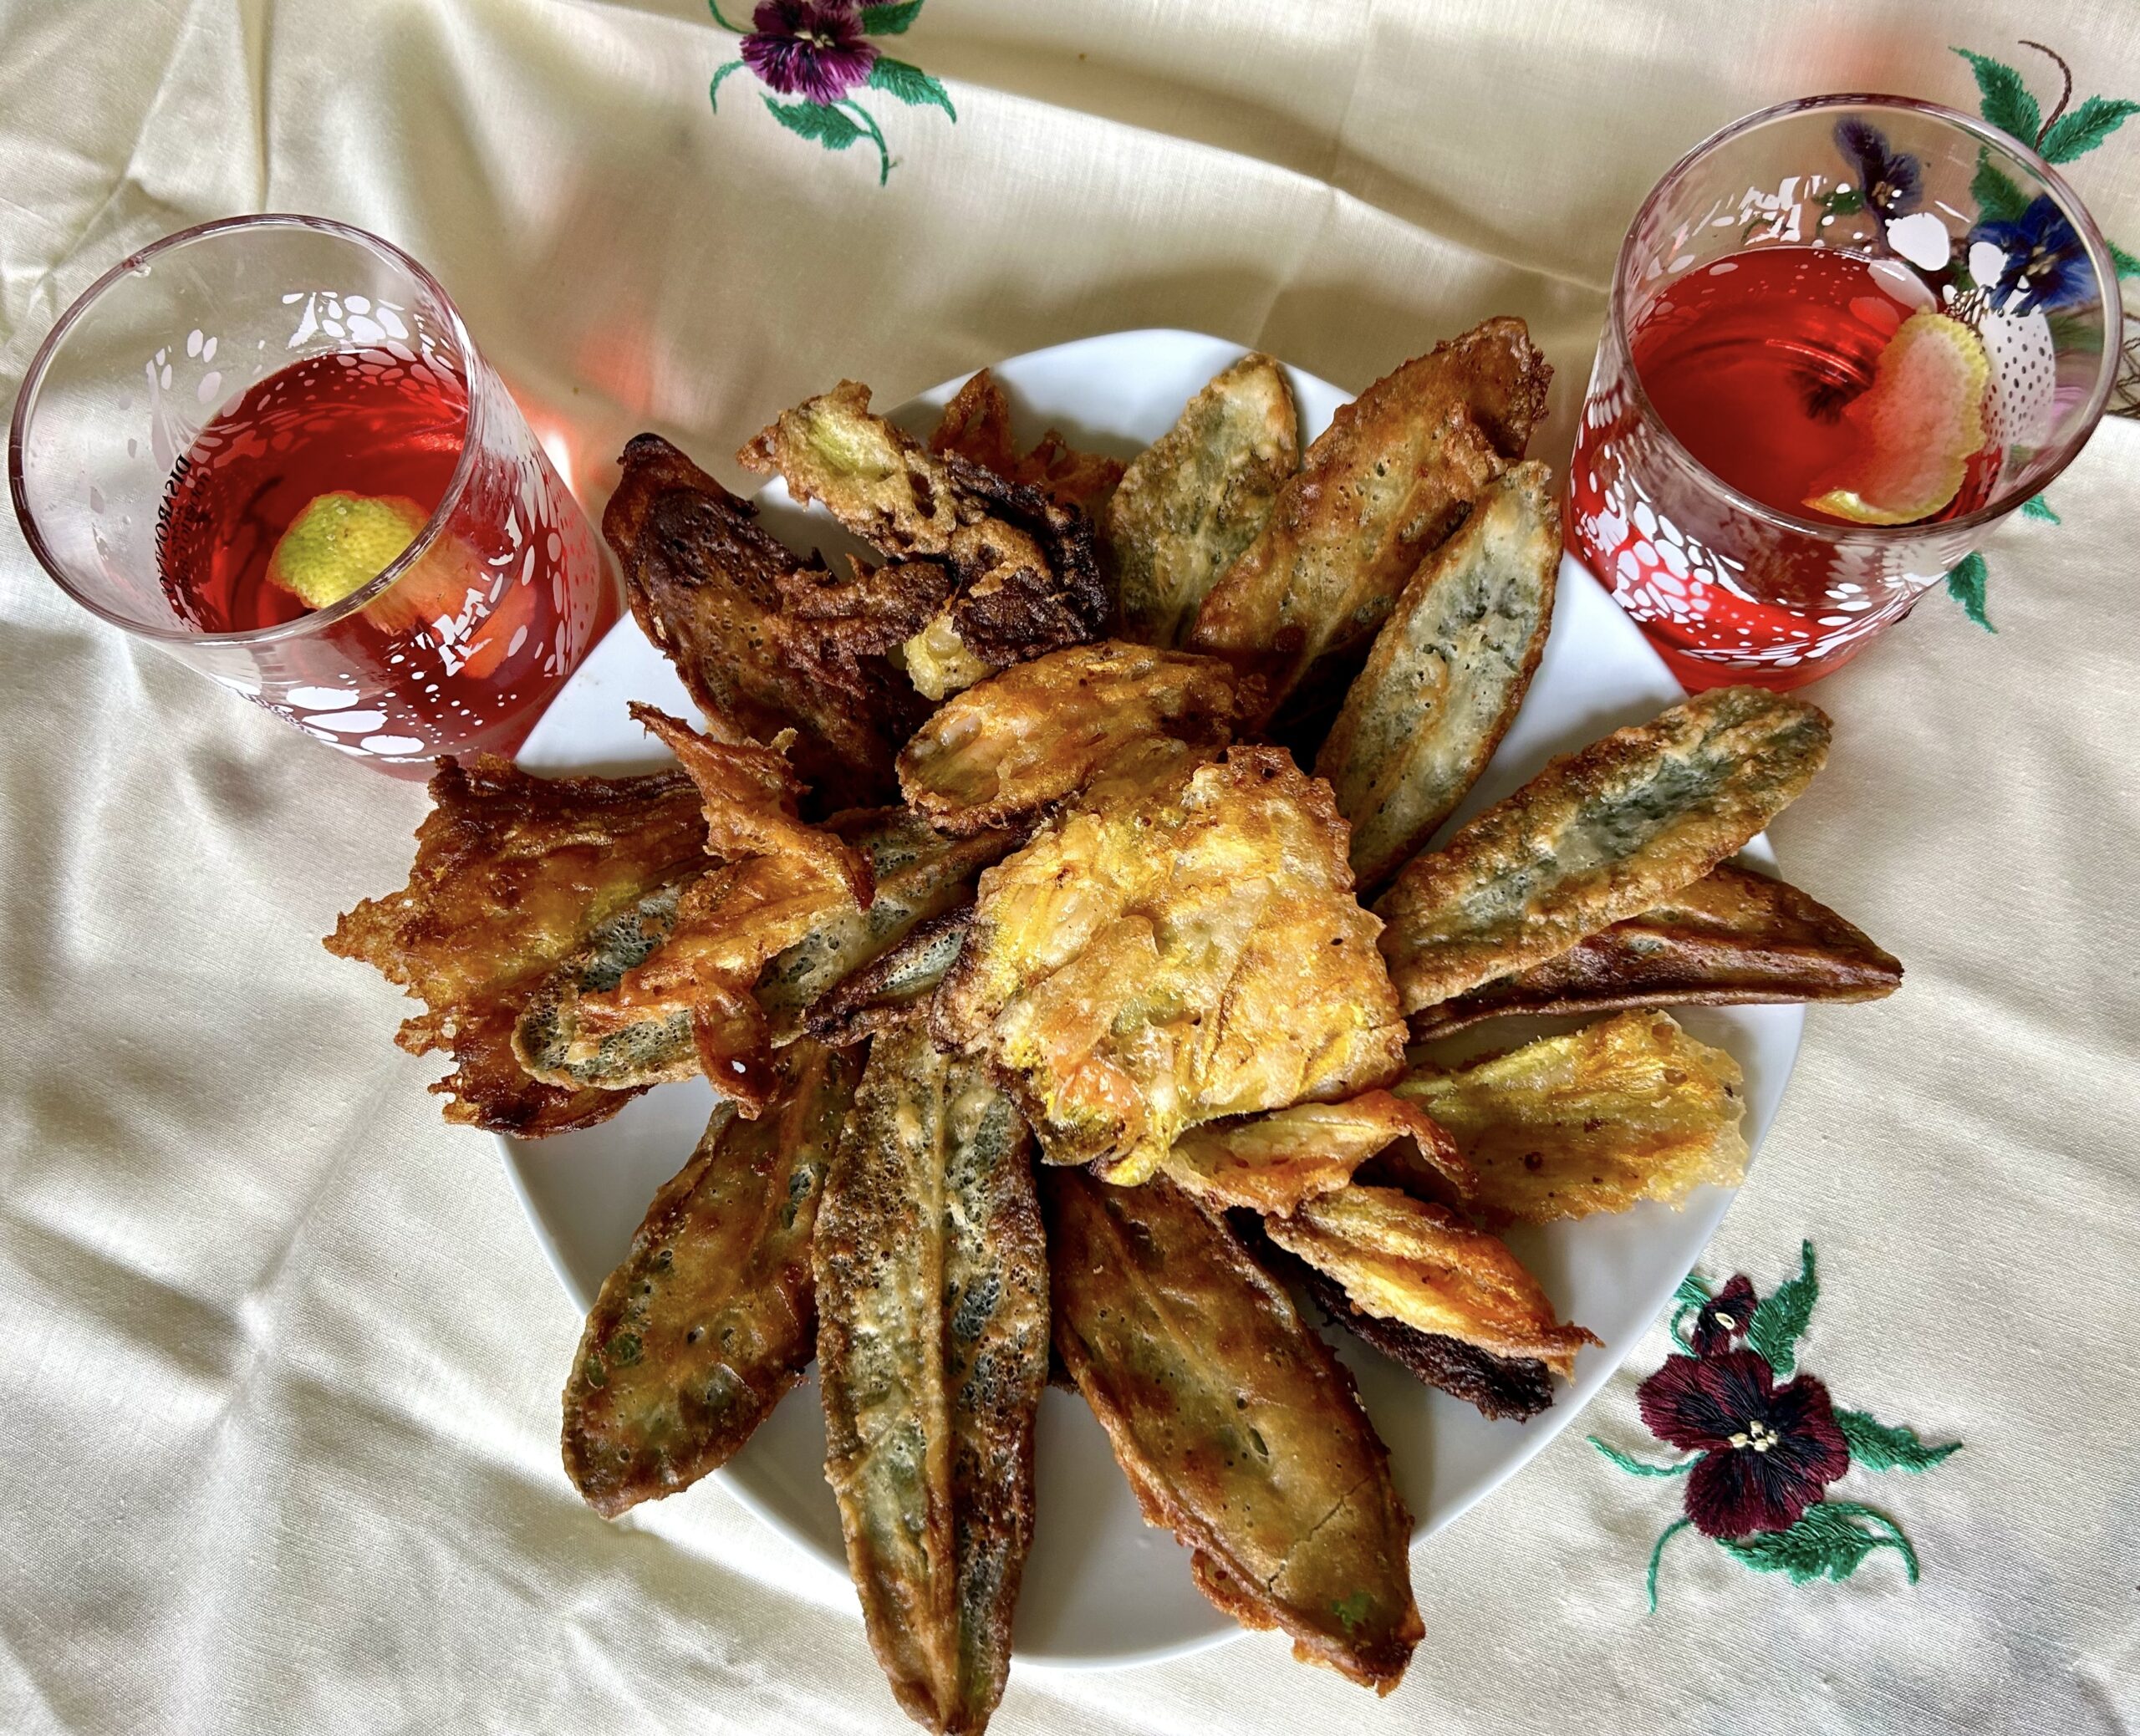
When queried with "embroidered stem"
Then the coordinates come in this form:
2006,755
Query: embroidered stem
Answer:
1657,1555
2064,96
713,90
1642,1468
884,154
714,7
1894,1539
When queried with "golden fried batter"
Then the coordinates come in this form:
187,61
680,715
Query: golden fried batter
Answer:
1597,836
1028,737
780,880
932,1346
1446,673
1271,1162
1404,1260
763,639
513,875
1388,479
1198,496
1180,944
1629,1108
976,426
1731,937
709,1319
1237,1428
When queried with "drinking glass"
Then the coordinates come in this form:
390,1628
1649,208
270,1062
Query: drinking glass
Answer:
115,402
1730,589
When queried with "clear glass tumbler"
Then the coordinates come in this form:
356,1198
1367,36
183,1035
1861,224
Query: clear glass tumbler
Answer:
1958,219
221,345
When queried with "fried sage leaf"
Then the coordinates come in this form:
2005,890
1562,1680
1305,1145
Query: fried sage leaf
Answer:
709,1319
1629,1108
976,426
1024,575
1404,1260
651,1050
932,1347
1388,479
1180,944
1271,1162
900,982
1237,1428
918,873
1732,938
765,640
1598,836
1195,498
1033,733
512,874
779,881
1446,673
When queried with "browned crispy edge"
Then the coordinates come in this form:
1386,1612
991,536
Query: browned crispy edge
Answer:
854,1008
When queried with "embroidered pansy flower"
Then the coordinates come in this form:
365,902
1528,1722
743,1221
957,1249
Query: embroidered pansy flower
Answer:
2042,263
813,51
1724,1317
1890,182
1768,1451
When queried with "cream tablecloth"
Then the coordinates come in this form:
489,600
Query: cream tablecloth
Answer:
279,1450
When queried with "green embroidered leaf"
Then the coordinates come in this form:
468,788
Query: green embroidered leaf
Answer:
2127,264
816,120
1688,1297
1965,585
1638,1467
1998,199
2007,103
1878,1448
1780,1320
891,20
1827,1543
2079,133
1657,1554
713,90
2037,506
910,84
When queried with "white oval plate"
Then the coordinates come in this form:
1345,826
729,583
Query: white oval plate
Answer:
1102,1587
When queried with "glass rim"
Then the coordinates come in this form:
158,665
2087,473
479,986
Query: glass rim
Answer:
1999,506
316,620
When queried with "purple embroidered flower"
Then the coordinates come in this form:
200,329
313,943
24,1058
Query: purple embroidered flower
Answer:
1768,1451
1890,182
2045,263
1724,1317
810,49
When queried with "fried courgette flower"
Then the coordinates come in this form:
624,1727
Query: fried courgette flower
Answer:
512,874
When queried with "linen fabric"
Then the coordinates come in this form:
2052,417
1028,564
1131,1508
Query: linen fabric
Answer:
281,1451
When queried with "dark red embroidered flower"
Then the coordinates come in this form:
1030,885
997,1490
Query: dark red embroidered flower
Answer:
810,48
1724,1317
1768,1451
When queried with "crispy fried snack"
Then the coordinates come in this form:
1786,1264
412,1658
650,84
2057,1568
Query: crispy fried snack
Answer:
976,427
1597,836
1446,673
1237,1428
512,874
1179,945
764,640
1195,498
1732,938
1388,480
1401,1259
920,874
779,881
546,1040
1022,575
1629,1108
932,1345
888,990
1030,734
1271,1162
710,1319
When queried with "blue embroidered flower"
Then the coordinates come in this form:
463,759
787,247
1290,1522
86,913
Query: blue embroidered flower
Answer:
1891,182
2045,264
